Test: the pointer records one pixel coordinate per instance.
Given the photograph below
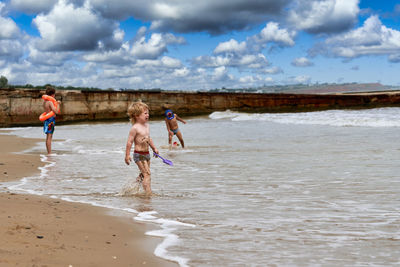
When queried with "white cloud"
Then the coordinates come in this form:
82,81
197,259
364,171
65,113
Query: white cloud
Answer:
68,28
167,11
11,50
269,80
247,54
141,51
183,72
253,61
372,38
171,63
249,79
38,57
116,57
272,33
210,62
230,46
254,80
9,29
324,16
303,79
220,73
118,35
395,58
273,70
302,62
150,50
155,46
239,61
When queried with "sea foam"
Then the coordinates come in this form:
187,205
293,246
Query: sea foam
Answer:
380,117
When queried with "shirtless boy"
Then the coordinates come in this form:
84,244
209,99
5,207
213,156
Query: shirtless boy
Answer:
171,120
49,124
139,135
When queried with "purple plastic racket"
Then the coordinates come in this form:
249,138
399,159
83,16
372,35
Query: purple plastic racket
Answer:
166,161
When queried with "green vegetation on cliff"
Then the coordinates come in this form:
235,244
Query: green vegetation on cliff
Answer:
323,88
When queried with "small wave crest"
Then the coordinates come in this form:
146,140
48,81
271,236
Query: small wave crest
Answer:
170,239
380,117
217,115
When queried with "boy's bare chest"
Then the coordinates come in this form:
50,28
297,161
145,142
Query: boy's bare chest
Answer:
142,131
173,122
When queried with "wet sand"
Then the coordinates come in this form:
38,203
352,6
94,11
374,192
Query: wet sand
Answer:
39,231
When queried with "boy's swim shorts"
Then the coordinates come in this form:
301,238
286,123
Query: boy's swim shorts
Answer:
49,125
141,156
175,131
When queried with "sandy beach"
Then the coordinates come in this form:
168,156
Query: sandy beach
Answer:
39,231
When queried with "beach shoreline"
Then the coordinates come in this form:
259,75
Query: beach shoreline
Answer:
41,231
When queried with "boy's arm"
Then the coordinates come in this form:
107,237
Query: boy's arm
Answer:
151,144
168,127
131,138
180,119
53,108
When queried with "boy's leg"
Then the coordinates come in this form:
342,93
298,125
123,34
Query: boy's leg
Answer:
144,167
179,135
49,137
170,136
170,139
139,179
48,128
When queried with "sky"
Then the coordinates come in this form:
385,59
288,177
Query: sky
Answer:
199,44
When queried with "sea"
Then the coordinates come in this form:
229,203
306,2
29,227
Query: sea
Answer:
249,189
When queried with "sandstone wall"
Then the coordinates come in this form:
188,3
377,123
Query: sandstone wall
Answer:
23,107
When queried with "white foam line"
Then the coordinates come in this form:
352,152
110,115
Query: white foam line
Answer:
15,129
168,226
43,173
385,117
66,141
22,182
166,233
161,249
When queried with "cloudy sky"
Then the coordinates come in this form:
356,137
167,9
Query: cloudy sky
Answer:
199,44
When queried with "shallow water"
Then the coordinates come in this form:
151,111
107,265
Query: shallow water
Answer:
298,189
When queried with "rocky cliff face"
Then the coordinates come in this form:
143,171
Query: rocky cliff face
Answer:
23,107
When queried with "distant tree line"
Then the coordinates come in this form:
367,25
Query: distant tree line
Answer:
3,82
261,89
4,85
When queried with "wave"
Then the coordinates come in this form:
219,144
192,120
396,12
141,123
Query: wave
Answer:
380,117
170,239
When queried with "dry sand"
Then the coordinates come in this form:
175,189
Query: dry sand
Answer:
39,231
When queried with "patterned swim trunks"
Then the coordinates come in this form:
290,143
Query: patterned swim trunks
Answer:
49,125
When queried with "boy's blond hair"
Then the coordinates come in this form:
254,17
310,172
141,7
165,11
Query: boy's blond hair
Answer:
136,109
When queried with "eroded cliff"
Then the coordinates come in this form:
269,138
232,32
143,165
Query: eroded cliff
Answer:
23,107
